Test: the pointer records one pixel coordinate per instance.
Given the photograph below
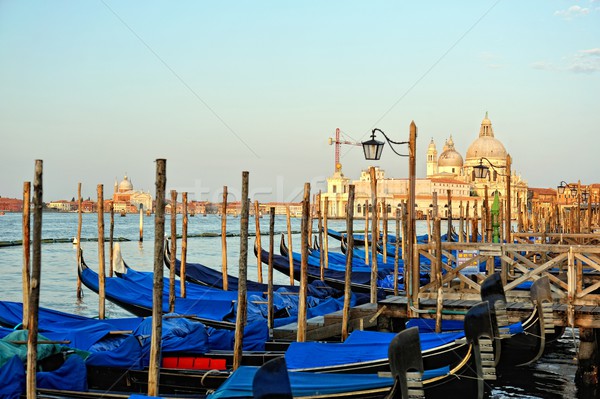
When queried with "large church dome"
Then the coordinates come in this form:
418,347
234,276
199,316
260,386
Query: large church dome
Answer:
125,185
486,145
450,157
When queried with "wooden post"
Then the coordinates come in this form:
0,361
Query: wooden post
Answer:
415,283
111,235
301,337
141,225
289,236
240,319
258,242
374,234
475,229
36,272
158,282
385,230
79,223
320,224
438,274
486,219
224,241
173,251
325,248
101,269
461,223
508,220
27,251
270,314
184,230
449,216
468,237
578,211
349,253
397,251
367,232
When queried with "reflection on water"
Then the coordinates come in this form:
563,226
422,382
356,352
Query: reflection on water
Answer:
551,377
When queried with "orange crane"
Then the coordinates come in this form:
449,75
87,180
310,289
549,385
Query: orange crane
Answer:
338,142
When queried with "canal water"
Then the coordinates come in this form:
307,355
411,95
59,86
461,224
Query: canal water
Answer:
552,376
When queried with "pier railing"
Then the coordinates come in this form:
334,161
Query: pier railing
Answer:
573,270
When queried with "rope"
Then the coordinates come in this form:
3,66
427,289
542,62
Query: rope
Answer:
209,372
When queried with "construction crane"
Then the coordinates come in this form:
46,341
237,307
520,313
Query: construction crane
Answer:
338,142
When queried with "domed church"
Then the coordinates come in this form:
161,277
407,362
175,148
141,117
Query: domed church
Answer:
126,199
450,164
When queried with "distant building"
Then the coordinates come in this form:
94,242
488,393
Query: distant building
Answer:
11,205
126,199
61,205
448,172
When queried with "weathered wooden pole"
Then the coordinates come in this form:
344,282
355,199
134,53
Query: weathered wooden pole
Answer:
385,230
438,273
475,229
320,238
184,230
397,251
35,282
270,314
367,232
374,234
142,225
468,237
101,269
349,255
449,216
415,283
325,248
486,235
289,237
258,241
578,211
173,251
78,249
224,240
240,319
305,226
158,282
111,234
26,251
461,223
508,216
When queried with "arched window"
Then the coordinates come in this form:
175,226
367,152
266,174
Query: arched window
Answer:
495,175
358,209
389,208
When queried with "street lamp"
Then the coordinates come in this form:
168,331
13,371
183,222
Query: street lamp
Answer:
563,185
481,171
373,149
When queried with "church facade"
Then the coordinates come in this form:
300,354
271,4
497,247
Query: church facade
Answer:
447,172
126,199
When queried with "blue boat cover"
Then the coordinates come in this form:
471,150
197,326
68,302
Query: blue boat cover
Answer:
239,384
428,325
360,346
12,375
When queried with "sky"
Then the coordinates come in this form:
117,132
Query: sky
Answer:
101,88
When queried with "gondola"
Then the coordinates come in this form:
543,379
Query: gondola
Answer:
467,379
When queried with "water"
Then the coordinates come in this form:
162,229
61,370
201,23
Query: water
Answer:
551,377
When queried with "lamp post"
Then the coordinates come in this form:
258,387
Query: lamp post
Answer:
481,171
580,195
373,149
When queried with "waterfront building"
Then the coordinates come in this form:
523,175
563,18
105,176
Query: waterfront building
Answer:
447,173
61,205
126,199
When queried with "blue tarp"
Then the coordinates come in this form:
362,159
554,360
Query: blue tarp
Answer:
428,325
360,346
12,375
303,384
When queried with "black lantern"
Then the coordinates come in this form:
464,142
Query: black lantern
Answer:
481,171
373,148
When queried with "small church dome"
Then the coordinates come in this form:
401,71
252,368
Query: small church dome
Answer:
450,157
125,185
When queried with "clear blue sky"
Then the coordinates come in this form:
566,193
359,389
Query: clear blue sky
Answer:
102,88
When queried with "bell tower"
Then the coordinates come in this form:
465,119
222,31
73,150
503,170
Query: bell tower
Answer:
431,159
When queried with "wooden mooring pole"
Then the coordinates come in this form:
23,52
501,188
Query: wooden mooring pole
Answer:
374,235
320,235
349,255
240,319
367,232
397,250
305,231
101,266
78,249
325,248
27,251
289,237
111,233
173,251
35,282
157,288
141,225
184,230
270,314
258,241
224,240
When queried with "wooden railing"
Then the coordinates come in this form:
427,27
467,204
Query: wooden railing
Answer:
573,270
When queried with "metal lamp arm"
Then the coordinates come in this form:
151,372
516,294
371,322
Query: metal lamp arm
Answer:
495,167
391,142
